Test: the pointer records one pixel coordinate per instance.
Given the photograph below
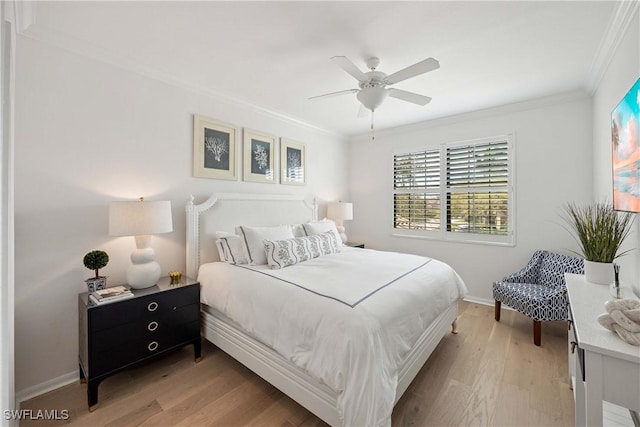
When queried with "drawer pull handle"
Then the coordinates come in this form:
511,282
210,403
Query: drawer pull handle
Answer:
569,322
573,346
153,306
152,326
153,346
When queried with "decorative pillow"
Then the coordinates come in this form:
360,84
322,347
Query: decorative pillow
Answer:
283,253
254,238
231,248
319,227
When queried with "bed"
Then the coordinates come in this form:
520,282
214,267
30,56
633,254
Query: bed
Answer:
345,348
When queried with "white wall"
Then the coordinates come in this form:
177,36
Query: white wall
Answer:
553,166
88,133
620,75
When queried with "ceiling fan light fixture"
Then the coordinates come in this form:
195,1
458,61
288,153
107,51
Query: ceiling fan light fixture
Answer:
372,97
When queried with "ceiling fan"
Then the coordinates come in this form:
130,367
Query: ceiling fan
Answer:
373,84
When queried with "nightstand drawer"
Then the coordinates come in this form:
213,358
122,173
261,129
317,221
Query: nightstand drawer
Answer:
145,307
145,328
117,357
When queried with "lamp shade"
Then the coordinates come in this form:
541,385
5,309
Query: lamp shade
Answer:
340,211
140,218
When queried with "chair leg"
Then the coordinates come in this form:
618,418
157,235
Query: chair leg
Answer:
537,332
497,310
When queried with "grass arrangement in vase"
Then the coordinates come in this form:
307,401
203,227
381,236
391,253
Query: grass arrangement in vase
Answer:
599,231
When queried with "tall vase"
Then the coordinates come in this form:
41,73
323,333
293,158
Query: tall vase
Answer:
598,272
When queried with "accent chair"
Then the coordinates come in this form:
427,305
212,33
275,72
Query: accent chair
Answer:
538,290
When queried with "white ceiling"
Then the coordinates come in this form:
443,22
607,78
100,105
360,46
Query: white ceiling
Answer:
275,55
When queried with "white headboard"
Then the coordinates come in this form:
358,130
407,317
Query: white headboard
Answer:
225,211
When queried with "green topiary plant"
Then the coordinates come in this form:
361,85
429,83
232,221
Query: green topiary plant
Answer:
96,260
599,230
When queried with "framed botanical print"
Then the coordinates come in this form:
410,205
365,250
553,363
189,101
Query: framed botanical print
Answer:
259,151
214,149
292,162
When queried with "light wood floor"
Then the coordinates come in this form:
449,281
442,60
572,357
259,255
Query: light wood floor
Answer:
488,374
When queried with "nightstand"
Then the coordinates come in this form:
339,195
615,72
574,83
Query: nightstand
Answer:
355,245
120,334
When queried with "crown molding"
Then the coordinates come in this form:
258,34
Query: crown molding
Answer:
22,14
100,54
618,24
501,110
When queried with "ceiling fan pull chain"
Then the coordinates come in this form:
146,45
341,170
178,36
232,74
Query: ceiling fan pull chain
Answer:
373,135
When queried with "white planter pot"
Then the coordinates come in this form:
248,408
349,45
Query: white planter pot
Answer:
95,284
598,272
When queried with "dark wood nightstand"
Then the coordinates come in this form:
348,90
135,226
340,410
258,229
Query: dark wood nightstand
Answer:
120,334
355,245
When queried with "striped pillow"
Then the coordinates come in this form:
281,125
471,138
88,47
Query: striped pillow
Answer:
283,253
231,248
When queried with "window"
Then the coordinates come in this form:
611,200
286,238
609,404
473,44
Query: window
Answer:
462,191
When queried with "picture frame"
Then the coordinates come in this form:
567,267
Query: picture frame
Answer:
214,149
293,168
259,153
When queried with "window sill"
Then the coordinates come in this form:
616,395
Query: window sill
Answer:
508,241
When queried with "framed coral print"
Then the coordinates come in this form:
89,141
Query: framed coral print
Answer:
259,157
292,162
214,149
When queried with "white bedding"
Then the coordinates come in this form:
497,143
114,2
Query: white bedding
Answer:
349,319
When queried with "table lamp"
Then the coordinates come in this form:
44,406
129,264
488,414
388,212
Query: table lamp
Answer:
141,219
339,212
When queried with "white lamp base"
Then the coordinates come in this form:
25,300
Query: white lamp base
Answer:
144,270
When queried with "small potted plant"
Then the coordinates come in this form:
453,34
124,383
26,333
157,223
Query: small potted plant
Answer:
95,260
599,231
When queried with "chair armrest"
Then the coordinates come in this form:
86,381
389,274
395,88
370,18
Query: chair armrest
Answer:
528,273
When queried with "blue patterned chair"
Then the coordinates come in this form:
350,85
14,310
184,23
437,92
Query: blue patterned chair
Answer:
538,290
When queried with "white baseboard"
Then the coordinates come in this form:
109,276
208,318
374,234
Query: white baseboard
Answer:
479,300
483,301
52,384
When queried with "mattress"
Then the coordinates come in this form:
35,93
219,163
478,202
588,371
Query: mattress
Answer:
348,319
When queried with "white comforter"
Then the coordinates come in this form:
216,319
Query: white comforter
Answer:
348,319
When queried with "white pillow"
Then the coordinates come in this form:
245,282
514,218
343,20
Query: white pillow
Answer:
231,248
298,230
283,253
254,238
319,227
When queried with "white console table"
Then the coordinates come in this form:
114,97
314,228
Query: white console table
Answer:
602,366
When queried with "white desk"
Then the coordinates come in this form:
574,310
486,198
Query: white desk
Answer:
611,366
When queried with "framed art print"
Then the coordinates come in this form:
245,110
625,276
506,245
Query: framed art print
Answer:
292,162
214,149
625,138
259,157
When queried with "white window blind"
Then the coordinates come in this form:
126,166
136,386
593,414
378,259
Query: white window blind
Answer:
461,188
416,179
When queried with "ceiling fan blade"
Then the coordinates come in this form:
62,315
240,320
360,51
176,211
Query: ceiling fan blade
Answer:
328,95
421,67
409,96
346,64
